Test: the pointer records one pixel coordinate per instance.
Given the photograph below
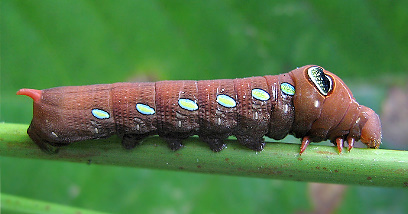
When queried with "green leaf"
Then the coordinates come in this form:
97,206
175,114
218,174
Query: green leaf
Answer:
15,204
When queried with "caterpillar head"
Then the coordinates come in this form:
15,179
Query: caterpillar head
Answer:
326,109
371,130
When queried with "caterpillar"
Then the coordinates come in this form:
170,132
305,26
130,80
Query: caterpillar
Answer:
309,102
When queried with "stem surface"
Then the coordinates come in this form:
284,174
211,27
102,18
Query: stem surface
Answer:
372,167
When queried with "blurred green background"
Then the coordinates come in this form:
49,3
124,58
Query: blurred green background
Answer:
51,43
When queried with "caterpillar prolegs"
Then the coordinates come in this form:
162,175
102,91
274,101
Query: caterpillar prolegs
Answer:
309,102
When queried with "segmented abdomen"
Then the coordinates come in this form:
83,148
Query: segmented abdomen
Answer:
213,109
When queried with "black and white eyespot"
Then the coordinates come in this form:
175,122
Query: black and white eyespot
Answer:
321,81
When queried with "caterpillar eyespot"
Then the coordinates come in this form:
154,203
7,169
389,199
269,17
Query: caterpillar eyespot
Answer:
309,102
322,82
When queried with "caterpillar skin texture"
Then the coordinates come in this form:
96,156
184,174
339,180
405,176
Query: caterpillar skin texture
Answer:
308,102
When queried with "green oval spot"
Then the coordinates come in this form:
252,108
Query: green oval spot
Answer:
260,94
145,109
188,104
288,89
100,114
226,101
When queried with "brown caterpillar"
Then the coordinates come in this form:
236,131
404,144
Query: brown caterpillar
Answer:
308,102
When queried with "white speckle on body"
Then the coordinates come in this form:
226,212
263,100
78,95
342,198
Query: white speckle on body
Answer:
316,104
53,133
286,109
256,116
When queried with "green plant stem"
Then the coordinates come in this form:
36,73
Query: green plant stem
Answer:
372,167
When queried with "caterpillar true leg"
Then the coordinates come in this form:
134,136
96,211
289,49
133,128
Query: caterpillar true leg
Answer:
339,143
305,143
350,142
